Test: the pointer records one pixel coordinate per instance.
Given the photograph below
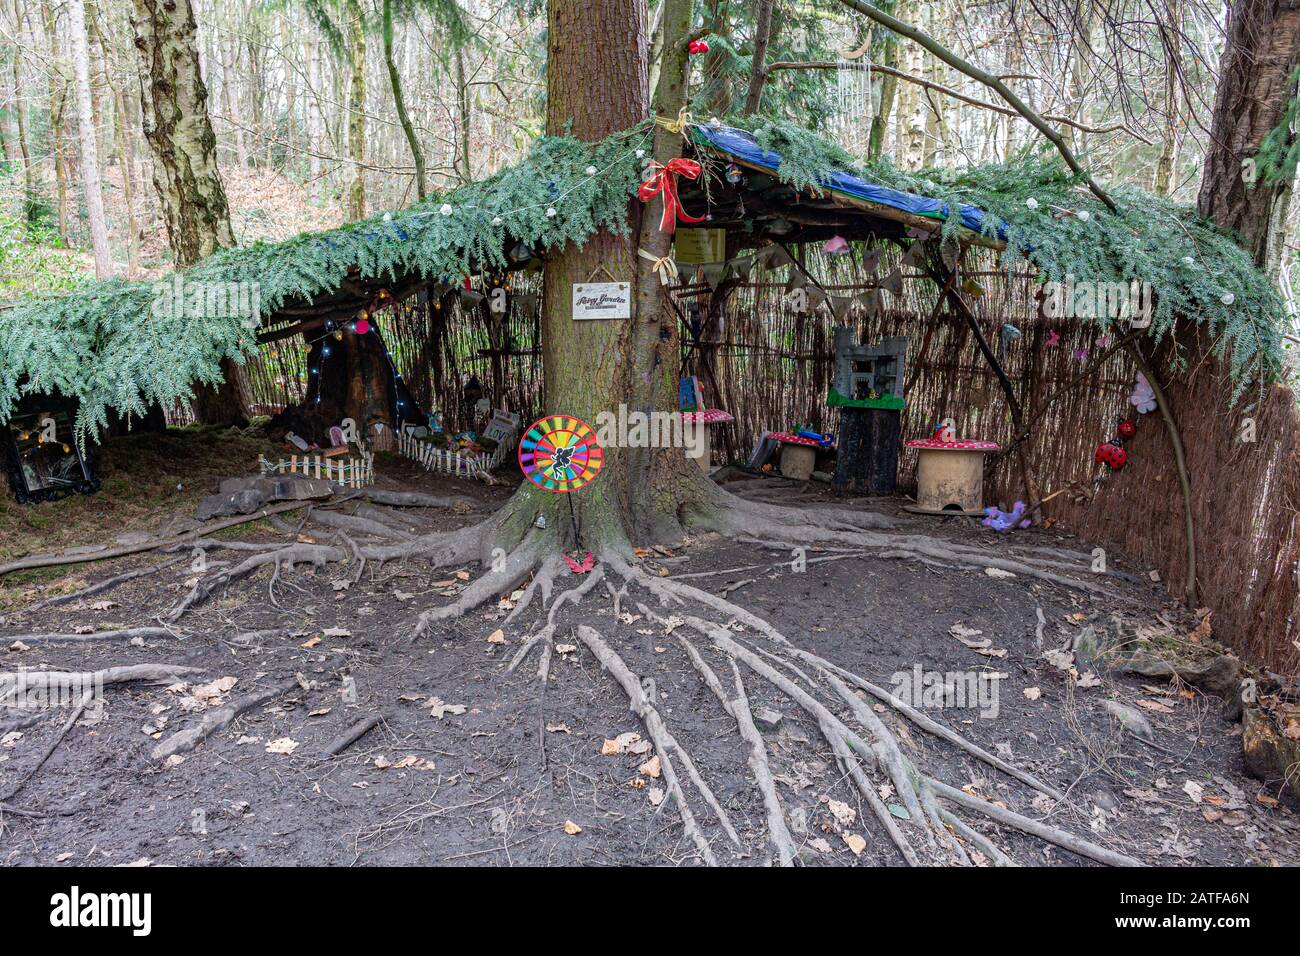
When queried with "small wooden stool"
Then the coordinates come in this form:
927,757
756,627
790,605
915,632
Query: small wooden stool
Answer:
950,476
700,422
798,455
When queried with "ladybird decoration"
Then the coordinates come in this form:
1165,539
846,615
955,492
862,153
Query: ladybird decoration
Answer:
1127,429
1111,454
696,47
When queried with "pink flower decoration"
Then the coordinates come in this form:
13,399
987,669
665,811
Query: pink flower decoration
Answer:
1081,354
1053,338
835,246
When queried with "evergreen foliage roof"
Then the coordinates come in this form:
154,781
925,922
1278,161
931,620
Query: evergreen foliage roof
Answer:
119,344
1046,215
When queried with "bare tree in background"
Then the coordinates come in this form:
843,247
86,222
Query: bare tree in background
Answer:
89,146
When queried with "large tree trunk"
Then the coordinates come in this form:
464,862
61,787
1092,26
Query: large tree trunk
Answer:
595,366
1255,86
174,104
89,147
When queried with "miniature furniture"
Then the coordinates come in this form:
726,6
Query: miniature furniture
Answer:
798,455
701,422
950,475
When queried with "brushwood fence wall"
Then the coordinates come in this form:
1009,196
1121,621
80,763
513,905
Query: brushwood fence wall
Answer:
771,367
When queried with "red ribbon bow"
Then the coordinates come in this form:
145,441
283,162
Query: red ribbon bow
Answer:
665,181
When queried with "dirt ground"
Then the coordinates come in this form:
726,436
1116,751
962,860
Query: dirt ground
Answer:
474,765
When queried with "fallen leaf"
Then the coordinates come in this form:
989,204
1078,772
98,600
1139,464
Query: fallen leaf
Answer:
651,768
1089,680
620,744
999,573
311,642
104,605
282,745
1032,693
820,845
1194,790
462,575
19,646
558,728
336,632
1154,705
843,813
571,828
319,712
656,796
497,637
439,709
563,649
856,843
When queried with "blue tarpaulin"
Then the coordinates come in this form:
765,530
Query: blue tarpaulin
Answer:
741,145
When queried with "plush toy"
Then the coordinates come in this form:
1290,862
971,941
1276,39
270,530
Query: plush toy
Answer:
1111,454
946,430
1002,521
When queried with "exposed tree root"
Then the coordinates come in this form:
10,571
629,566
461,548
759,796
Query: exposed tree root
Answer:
573,595
126,634
356,525
55,560
350,736
1051,834
738,707
801,527
409,499
315,554
542,583
842,740
505,576
665,743
99,587
215,720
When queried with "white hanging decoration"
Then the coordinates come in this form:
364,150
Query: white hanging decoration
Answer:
445,209
852,103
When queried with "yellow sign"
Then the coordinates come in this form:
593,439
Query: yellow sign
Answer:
697,247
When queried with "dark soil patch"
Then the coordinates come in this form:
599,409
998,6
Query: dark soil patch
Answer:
492,786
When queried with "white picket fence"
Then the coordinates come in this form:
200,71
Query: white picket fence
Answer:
356,471
434,457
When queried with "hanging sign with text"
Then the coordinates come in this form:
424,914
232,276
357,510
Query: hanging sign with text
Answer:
602,300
